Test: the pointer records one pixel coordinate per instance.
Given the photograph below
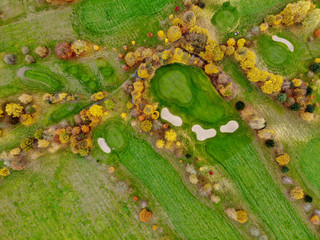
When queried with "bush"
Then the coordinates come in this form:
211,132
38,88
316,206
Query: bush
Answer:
308,198
282,97
315,67
295,107
310,108
309,91
285,169
240,105
201,4
270,143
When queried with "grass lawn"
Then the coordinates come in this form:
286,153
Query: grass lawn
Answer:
191,218
63,196
187,89
119,22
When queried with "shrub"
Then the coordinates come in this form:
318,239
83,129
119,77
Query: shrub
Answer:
297,193
282,97
283,159
308,198
145,215
27,144
315,67
270,143
295,107
240,105
309,91
310,108
284,169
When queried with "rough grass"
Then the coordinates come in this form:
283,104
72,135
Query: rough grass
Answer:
191,218
63,196
206,105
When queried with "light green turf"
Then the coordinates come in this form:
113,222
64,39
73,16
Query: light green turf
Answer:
191,218
205,105
40,80
63,196
310,162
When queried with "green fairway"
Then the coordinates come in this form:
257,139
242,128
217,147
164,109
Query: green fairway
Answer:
310,162
63,196
188,90
226,18
191,218
264,197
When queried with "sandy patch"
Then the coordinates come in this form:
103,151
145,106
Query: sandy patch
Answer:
230,127
168,116
103,145
285,41
203,134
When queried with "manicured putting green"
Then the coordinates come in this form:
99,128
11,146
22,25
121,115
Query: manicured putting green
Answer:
226,18
310,162
277,56
115,137
41,80
188,90
175,85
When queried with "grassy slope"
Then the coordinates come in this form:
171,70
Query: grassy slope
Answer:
63,196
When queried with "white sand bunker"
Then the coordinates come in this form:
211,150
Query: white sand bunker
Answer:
103,145
230,127
203,134
168,116
285,41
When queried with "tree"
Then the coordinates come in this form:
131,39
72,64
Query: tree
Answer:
4,172
27,144
283,159
189,19
241,216
79,47
315,220
297,193
170,135
145,215
109,104
160,143
270,143
64,51
308,198
310,108
315,67
146,126
14,109
284,169
96,110
309,91
174,34
27,119
295,107
240,105
282,97
211,69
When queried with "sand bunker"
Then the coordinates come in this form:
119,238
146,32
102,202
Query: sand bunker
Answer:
230,127
285,41
166,115
203,134
103,145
